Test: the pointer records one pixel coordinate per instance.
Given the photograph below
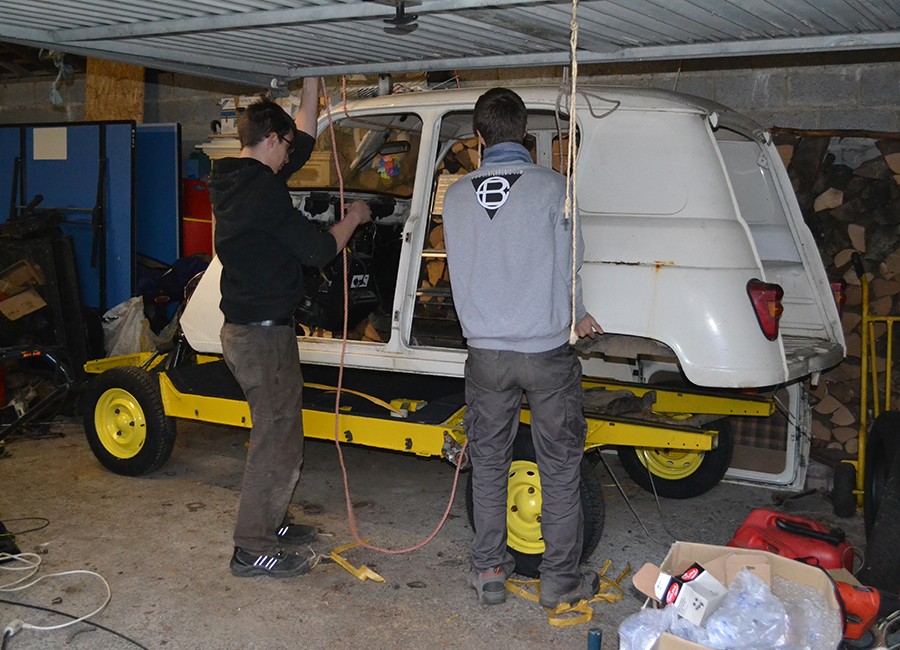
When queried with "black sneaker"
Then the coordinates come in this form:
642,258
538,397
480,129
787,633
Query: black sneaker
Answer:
278,565
297,534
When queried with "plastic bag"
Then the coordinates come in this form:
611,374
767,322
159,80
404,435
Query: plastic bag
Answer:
126,330
810,622
684,629
641,630
749,616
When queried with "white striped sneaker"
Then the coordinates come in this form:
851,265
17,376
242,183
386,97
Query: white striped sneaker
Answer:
297,534
276,565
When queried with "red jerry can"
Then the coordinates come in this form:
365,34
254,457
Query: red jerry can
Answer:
798,538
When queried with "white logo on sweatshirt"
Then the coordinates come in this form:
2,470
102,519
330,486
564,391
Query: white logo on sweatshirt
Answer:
492,192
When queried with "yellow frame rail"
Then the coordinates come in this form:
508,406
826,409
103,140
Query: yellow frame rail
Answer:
397,434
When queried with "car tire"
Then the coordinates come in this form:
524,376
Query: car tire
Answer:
843,500
524,540
882,562
881,450
676,473
125,421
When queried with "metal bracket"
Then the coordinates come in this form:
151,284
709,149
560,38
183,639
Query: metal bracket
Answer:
451,451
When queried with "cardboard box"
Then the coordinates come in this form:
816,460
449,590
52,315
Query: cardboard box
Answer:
318,172
722,560
695,593
230,109
22,304
18,277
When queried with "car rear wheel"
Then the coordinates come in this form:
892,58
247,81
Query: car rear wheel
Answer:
679,473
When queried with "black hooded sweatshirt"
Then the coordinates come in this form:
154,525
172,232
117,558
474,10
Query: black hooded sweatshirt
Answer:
261,239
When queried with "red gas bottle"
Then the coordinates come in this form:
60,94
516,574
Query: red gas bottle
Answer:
794,537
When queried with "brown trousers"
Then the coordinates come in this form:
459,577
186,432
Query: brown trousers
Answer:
266,364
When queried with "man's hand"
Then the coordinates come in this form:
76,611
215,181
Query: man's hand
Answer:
358,211
587,326
355,213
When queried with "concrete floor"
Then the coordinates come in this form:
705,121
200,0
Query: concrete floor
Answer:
163,543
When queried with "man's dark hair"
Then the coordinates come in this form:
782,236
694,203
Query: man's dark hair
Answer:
260,119
500,116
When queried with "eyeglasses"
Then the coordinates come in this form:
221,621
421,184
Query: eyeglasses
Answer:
289,143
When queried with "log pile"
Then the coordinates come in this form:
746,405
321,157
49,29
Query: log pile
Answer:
850,211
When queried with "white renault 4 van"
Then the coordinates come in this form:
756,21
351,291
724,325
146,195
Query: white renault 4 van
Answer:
696,254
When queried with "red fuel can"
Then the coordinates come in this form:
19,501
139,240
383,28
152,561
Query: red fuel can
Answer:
798,538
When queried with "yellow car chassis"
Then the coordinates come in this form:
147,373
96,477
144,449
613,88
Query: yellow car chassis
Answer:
670,423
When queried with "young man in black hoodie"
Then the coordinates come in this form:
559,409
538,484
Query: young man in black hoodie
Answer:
262,242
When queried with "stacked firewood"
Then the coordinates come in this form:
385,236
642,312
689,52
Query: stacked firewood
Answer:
850,210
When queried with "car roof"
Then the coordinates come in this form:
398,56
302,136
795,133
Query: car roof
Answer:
595,98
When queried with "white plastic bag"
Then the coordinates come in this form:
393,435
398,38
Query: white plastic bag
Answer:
126,330
641,630
749,616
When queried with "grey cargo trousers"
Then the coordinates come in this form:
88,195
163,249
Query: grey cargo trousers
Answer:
495,383
266,364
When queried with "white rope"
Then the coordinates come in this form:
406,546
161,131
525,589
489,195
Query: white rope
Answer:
571,180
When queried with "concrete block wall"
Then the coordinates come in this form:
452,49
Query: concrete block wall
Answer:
191,101
29,101
850,91
861,94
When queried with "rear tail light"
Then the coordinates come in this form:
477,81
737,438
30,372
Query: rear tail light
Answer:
766,299
839,290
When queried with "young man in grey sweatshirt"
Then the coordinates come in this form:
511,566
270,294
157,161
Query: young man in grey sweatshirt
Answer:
509,250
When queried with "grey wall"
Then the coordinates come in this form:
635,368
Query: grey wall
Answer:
830,91
191,101
857,96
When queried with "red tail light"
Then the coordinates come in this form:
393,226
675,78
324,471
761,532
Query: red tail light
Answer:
766,299
839,290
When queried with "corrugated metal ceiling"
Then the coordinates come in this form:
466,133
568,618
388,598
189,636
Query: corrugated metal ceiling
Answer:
266,42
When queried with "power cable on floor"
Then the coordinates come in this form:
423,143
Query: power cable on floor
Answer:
44,524
56,611
29,564
630,507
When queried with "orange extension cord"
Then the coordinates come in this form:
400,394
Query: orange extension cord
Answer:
351,515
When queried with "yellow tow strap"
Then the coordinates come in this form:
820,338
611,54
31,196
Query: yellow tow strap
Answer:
363,572
565,615
374,400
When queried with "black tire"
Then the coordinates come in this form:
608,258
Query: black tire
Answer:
125,422
528,562
881,450
843,500
679,474
882,562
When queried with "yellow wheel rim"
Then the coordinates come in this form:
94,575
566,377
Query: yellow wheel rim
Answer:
120,423
523,508
670,464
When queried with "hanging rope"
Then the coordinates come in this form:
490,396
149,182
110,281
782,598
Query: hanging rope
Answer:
571,169
351,514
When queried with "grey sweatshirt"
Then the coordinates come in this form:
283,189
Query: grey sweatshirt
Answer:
509,250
